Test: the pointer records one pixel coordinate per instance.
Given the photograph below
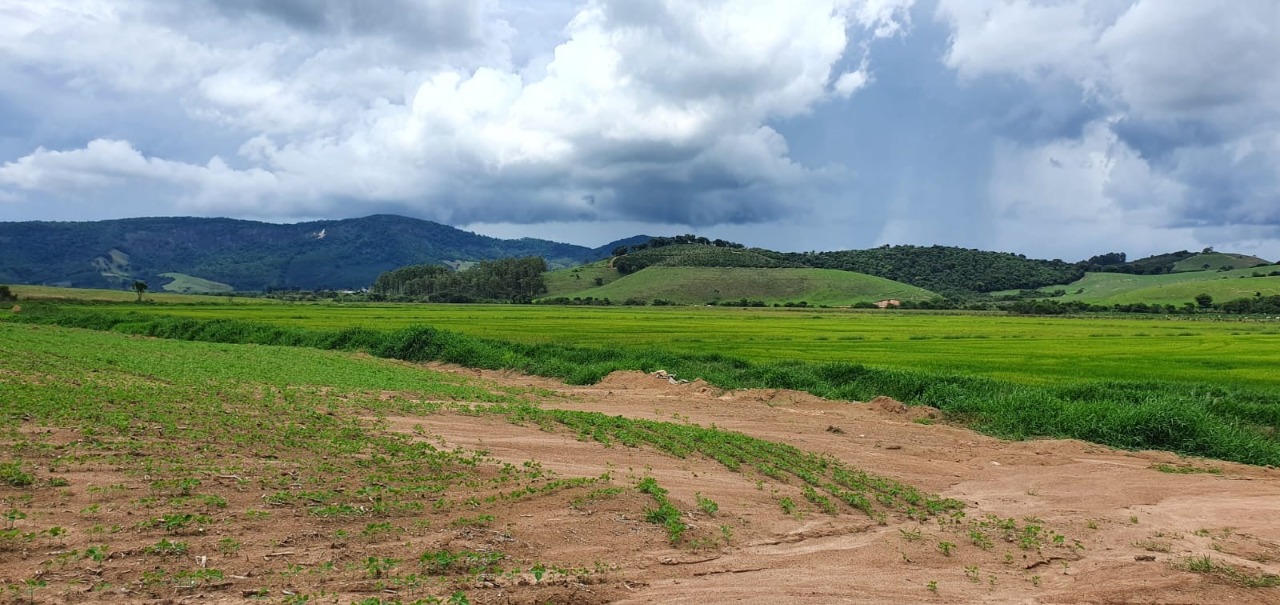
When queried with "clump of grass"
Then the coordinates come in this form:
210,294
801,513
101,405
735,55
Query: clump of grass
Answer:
1206,565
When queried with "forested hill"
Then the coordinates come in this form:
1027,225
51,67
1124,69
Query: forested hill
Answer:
946,269
248,255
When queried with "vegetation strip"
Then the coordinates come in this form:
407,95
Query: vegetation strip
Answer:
1214,421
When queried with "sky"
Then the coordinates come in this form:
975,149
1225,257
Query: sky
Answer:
1051,128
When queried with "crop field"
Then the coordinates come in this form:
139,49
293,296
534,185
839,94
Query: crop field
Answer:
1020,349
159,444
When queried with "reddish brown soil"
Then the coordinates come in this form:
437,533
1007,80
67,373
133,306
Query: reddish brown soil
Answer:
1114,503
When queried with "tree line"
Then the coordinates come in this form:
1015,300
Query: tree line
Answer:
515,280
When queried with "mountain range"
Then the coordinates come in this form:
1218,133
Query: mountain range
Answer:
216,255
219,254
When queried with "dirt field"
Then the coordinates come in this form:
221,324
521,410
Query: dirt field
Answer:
1126,529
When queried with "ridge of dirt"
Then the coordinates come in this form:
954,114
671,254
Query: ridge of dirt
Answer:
1135,523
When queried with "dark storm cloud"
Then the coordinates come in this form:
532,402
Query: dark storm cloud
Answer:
434,24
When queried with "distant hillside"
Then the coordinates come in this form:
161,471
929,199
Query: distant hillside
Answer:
1171,288
213,254
945,269
1218,261
701,285
1173,262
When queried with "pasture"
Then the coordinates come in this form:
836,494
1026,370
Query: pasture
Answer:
1170,288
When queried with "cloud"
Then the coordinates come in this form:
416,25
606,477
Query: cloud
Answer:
1184,131
646,110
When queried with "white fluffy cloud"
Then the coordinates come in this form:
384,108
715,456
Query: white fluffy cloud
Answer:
654,110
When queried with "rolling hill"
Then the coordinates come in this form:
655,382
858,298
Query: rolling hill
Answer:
701,285
214,254
1170,288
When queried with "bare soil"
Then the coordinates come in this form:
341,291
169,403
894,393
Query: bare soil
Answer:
1135,525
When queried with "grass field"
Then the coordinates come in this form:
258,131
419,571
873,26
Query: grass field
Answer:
1170,288
1028,350
700,285
98,295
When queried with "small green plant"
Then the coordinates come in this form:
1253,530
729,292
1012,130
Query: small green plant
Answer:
1035,581
788,505
971,572
12,516
706,505
97,553
932,586
228,546
946,548
165,548
377,567
911,536
727,533
11,473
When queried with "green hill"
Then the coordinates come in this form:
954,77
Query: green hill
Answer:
700,285
1214,261
1171,288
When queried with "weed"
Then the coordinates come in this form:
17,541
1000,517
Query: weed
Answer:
946,548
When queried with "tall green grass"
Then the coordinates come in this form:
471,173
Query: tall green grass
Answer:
1215,421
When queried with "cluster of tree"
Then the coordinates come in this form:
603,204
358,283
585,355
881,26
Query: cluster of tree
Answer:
516,280
1203,303
738,303
589,301
1116,262
1261,305
945,269
699,255
7,295
662,242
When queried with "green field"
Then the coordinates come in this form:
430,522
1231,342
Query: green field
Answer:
700,285
1027,350
98,295
1170,288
